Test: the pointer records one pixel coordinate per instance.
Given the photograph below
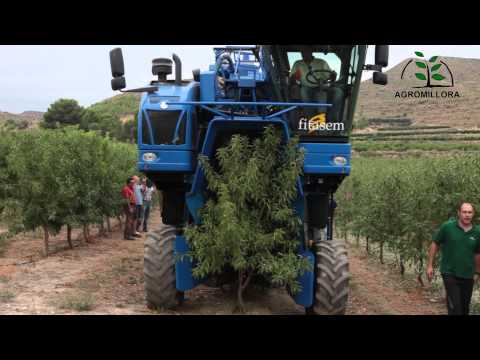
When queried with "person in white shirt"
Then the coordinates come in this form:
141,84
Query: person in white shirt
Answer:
149,190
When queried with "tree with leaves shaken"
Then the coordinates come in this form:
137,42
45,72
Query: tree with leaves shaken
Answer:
62,112
432,73
104,123
249,224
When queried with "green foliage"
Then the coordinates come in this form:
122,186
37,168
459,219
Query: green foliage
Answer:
129,130
372,146
413,133
408,128
103,117
80,301
6,296
15,124
106,124
118,106
400,203
362,123
62,112
51,178
249,222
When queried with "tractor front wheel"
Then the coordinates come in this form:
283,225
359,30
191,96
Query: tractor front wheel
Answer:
332,278
159,269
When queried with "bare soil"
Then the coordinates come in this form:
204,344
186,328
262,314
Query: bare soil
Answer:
106,277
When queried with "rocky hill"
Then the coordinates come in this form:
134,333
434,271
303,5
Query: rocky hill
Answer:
27,119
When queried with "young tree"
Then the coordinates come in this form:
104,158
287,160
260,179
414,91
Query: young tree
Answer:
249,223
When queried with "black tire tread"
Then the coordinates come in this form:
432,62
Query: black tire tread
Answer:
333,277
159,269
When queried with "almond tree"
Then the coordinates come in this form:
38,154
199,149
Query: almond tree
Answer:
249,224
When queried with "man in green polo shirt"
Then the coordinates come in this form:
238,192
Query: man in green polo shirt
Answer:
458,240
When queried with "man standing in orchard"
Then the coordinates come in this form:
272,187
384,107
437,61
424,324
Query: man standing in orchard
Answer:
129,209
137,189
459,243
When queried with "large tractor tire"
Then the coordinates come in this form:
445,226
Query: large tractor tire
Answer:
332,278
159,269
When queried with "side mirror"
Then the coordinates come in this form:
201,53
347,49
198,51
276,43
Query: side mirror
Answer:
196,75
118,83
116,62
381,55
380,78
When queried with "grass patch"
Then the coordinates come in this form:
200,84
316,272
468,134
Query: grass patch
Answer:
80,301
6,296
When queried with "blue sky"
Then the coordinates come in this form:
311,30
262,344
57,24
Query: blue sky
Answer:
32,77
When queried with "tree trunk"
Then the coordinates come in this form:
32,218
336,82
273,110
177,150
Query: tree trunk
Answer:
242,285
358,240
109,226
86,234
381,252
419,274
119,218
69,236
367,247
46,237
101,229
402,266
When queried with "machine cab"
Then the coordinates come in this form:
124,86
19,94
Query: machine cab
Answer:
323,74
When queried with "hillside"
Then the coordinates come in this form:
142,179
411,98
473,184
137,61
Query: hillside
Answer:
380,102
30,119
125,106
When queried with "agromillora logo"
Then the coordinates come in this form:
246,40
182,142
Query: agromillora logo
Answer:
434,73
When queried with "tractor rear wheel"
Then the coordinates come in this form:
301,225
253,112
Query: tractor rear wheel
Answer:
332,278
159,269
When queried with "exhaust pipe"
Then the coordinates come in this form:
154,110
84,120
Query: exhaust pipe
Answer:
178,69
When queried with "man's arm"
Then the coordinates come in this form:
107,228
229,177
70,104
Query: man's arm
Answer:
294,72
476,277
434,248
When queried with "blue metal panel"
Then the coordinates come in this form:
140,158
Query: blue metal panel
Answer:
183,266
319,158
167,161
207,86
307,282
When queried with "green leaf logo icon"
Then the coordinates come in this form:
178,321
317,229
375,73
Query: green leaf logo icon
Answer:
420,64
433,59
418,53
421,76
436,67
438,77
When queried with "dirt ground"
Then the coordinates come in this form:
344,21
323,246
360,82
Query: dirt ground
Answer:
106,277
